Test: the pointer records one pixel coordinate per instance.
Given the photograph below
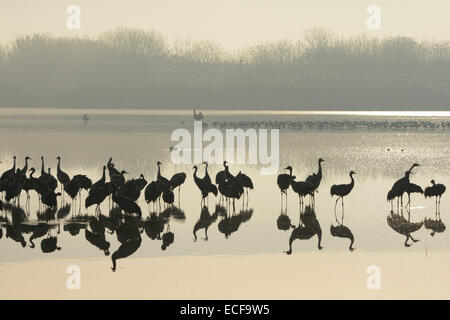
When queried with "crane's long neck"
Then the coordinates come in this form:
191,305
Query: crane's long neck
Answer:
290,246
352,183
103,176
206,170
290,172
25,169
43,167
352,239
195,173
59,162
14,166
407,176
159,170
319,172
31,242
31,173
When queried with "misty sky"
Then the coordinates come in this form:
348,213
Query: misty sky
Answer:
231,23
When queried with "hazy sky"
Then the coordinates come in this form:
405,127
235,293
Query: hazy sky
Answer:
231,23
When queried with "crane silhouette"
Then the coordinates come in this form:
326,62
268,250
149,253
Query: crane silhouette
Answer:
302,189
176,181
28,185
316,178
97,197
15,187
221,176
63,177
398,188
168,196
126,204
9,174
160,178
72,188
245,181
341,190
25,168
412,188
284,181
435,190
47,177
99,183
132,188
153,192
204,185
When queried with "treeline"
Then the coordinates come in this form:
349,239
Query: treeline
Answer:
133,68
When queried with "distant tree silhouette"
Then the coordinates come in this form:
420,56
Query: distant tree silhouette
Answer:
138,69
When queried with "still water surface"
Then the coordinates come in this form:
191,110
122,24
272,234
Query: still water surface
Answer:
136,140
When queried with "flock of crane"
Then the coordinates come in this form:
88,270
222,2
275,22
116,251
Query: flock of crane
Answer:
125,193
400,187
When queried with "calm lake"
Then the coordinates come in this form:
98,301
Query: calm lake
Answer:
379,147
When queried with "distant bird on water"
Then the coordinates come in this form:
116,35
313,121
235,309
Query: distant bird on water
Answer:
197,116
85,119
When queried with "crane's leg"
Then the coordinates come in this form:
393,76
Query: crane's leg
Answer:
439,207
336,204
281,194
286,199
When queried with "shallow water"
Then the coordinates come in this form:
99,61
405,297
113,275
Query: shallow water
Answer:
136,140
